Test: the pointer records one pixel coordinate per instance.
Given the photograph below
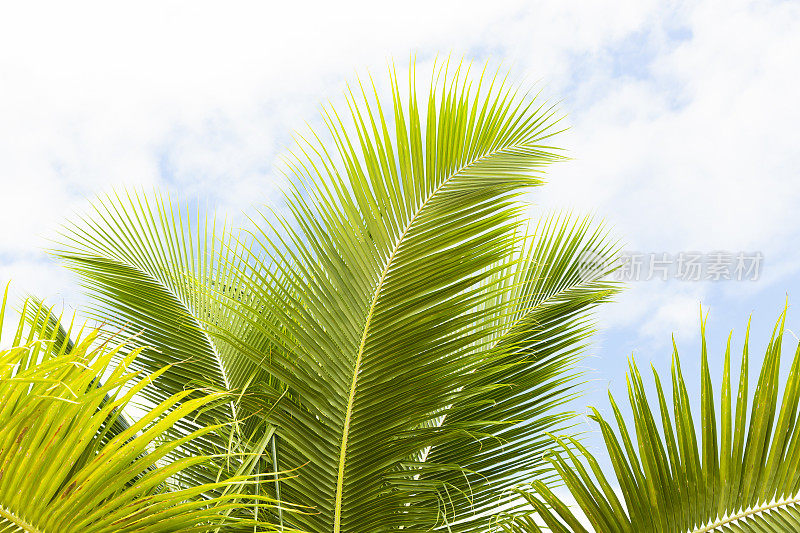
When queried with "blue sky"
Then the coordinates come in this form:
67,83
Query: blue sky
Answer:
683,129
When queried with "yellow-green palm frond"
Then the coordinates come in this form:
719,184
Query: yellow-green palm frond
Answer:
742,475
397,337
62,471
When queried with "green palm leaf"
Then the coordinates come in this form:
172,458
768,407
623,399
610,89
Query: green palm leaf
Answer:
390,292
61,471
741,477
139,257
554,291
49,325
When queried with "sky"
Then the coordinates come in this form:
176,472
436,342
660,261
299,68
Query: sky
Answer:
684,130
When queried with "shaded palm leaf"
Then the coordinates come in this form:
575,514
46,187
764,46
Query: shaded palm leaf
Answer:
140,256
742,476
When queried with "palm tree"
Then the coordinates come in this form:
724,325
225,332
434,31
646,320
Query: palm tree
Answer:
400,342
742,477
66,465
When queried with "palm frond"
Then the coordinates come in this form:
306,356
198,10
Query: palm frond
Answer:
140,256
58,470
395,338
742,476
559,279
389,290
43,319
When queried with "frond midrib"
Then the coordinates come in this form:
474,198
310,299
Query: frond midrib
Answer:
177,298
744,515
370,313
19,522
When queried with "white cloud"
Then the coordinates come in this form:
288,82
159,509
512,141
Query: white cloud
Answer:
201,99
699,153
719,168
683,117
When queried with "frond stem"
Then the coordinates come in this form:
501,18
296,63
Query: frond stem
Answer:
8,515
745,514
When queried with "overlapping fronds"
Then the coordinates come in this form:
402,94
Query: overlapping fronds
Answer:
400,291
49,325
403,346
560,278
58,470
140,258
742,476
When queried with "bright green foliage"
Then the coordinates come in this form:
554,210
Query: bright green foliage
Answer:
423,342
63,469
744,476
139,258
402,346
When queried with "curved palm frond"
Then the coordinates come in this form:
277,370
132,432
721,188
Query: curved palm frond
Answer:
390,290
59,469
559,280
743,476
140,256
